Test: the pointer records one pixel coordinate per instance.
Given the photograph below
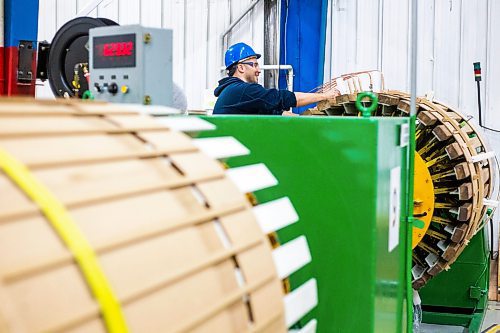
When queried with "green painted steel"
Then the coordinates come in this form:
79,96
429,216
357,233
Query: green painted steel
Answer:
336,172
459,296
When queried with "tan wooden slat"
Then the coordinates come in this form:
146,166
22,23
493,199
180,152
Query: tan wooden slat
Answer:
30,211
37,265
10,319
12,199
233,320
82,183
267,302
104,108
50,124
30,297
172,252
189,164
278,325
28,242
94,325
252,263
241,227
220,192
53,151
167,140
11,109
193,295
135,120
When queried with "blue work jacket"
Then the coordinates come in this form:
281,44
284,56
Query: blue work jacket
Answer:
238,97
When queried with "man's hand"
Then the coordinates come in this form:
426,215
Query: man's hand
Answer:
289,114
331,93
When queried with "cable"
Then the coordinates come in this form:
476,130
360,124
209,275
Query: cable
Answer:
490,129
477,78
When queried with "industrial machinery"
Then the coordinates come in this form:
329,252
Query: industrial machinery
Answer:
18,47
347,179
112,65
66,66
453,184
131,64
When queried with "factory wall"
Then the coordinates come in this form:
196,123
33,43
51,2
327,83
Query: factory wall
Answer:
197,25
452,34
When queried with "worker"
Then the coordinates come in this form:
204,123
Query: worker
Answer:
239,93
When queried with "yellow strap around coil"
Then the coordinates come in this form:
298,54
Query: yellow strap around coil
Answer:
73,238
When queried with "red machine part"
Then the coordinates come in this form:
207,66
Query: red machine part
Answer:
12,85
2,74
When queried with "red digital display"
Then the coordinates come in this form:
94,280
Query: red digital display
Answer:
114,51
120,49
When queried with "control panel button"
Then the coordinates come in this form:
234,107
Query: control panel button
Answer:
113,88
124,89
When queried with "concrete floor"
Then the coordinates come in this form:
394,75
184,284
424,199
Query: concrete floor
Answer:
492,317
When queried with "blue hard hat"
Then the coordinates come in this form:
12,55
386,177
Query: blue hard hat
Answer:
239,52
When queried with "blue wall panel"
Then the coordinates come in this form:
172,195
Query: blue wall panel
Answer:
21,21
303,32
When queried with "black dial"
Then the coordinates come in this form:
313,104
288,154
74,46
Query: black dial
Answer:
113,88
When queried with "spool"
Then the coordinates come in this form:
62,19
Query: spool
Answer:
174,238
451,211
69,48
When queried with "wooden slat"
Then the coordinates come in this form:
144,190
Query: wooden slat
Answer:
13,199
173,251
219,193
62,124
30,297
53,151
83,185
34,266
14,109
267,302
189,164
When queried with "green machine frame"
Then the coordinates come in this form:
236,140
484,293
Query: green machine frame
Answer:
459,296
337,173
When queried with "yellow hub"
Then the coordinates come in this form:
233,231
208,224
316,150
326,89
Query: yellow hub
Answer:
423,200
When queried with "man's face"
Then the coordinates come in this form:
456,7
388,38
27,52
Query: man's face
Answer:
251,69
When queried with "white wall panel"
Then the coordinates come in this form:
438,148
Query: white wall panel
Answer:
447,50
47,20
395,25
367,34
425,47
344,37
492,67
151,13
452,34
66,10
108,9
473,49
129,12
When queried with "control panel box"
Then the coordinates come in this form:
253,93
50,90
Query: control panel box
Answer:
131,64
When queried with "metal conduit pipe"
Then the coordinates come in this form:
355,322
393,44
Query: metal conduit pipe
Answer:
232,25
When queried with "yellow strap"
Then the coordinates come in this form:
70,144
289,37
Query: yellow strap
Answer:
73,238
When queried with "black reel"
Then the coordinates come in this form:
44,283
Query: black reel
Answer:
68,49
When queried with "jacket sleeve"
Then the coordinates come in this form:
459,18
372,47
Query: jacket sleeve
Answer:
269,101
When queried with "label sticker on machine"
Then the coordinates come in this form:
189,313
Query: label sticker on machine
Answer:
394,207
114,51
